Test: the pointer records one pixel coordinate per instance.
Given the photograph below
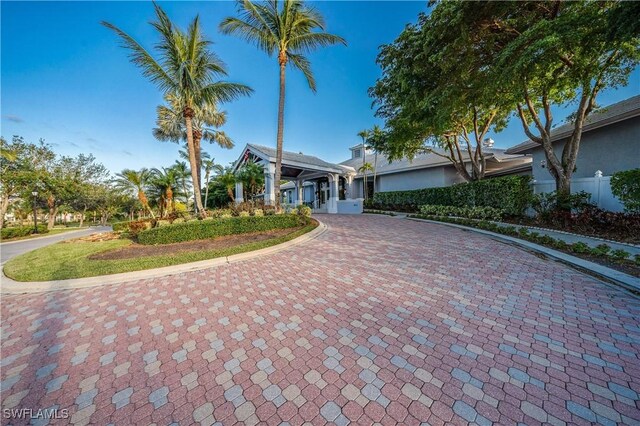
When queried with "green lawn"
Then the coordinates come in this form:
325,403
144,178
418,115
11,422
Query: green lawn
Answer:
53,231
70,260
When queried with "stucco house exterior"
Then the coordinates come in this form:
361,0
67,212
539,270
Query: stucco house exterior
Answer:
610,143
426,170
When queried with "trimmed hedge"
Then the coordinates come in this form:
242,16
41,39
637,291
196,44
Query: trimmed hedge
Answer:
488,213
512,194
205,229
21,231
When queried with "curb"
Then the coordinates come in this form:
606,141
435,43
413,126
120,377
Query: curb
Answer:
605,274
9,286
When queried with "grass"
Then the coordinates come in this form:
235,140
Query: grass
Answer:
63,261
53,231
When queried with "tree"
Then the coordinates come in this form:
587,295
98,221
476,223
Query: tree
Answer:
375,134
206,121
364,134
22,169
187,69
162,188
290,31
134,181
209,166
536,55
182,172
252,177
228,180
364,169
435,93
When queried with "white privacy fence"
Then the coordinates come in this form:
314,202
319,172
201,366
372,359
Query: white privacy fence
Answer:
598,187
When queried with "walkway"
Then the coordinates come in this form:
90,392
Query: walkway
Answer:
15,248
378,320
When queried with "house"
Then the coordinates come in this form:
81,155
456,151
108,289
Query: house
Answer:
338,188
425,170
610,143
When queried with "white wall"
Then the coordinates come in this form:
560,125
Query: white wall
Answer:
599,188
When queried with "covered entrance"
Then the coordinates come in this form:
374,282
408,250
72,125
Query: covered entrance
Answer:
323,186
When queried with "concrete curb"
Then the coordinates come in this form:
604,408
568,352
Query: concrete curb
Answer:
9,286
606,275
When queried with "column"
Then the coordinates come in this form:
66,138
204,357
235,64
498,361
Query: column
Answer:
299,192
269,181
314,196
332,205
239,192
349,187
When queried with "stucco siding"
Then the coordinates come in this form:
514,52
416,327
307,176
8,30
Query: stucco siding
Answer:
609,149
414,179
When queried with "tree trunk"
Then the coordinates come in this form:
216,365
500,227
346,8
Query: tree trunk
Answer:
197,137
188,115
375,170
53,211
282,59
4,206
206,192
82,217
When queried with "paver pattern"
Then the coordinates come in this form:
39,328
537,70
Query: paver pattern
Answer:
378,320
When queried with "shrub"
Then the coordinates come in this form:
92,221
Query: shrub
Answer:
626,187
258,212
304,211
512,194
620,254
488,213
199,230
21,231
601,250
244,214
137,226
579,247
269,210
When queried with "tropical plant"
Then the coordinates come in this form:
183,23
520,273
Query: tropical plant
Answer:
252,177
209,166
228,179
289,29
206,121
135,181
163,188
186,68
182,172
364,169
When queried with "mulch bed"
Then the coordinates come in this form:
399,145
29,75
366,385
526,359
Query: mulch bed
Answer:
139,250
628,268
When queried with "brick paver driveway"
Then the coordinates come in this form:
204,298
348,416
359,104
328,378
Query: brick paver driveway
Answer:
379,320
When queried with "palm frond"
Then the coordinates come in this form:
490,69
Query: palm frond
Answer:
300,62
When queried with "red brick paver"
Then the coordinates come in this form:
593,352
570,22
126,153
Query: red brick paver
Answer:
378,320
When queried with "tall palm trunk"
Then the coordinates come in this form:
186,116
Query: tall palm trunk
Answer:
375,171
206,190
144,201
282,59
197,138
188,115
364,172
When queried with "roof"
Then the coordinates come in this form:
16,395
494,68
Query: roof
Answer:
422,161
296,159
611,114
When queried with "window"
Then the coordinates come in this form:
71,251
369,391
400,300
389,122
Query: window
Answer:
357,153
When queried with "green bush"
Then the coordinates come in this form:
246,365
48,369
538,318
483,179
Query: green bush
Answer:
304,210
626,186
21,231
620,254
512,194
124,225
488,213
205,229
579,247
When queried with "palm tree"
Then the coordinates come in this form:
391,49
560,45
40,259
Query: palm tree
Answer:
290,31
162,184
209,165
206,121
252,177
364,134
130,180
376,134
228,179
186,68
366,167
182,172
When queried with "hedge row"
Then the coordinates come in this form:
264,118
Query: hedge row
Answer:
486,213
205,229
21,231
512,194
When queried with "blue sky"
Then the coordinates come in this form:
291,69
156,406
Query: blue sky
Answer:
65,79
